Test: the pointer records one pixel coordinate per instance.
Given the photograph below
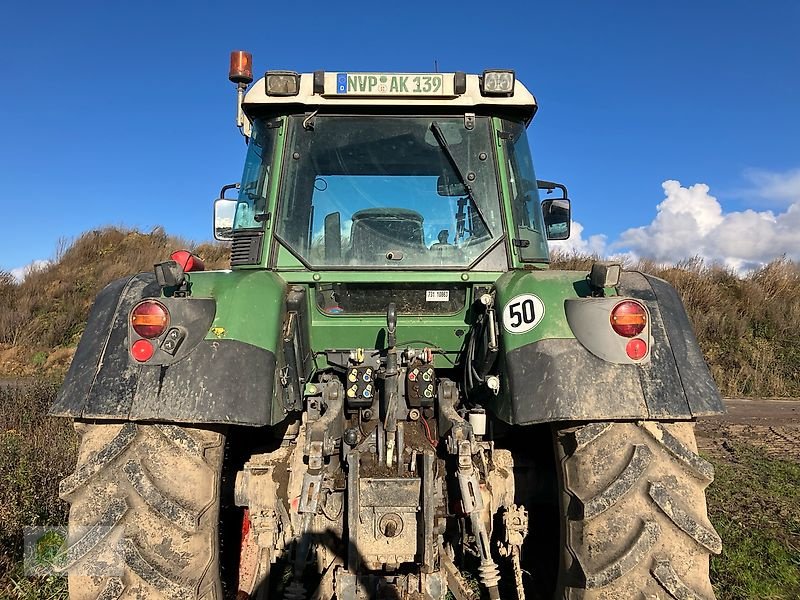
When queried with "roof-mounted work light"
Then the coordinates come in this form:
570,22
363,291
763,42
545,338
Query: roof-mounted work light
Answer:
282,83
498,83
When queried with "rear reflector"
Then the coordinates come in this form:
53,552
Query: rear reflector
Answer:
142,350
636,349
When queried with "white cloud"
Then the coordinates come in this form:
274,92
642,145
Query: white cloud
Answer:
595,244
21,273
683,222
691,222
784,187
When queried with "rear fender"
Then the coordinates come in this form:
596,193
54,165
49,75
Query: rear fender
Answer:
556,377
208,380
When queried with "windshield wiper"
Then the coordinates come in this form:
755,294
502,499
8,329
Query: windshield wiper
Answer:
442,141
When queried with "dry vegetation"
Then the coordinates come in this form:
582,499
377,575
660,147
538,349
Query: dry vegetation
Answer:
36,452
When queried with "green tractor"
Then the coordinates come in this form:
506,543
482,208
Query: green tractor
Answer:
390,394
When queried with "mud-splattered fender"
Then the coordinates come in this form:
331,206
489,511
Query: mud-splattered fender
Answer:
214,381
558,379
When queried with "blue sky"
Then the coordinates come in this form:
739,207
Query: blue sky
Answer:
121,113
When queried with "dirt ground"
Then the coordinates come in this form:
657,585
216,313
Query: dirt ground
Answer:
772,425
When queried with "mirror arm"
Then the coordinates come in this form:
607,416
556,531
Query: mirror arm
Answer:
225,188
551,185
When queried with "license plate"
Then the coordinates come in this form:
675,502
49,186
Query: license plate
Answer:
390,84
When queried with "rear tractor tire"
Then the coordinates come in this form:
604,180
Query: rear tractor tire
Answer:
144,514
636,523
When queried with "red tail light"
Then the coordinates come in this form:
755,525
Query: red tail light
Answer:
149,319
636,349
189,262
142,350
628,318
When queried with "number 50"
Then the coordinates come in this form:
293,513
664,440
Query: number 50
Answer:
522,312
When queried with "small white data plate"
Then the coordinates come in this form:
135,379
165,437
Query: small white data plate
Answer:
437,295
522,313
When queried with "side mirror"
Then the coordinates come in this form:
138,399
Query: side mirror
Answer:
557,213
557,218
333,238
448,185
224,212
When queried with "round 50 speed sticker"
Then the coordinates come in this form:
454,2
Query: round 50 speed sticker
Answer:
522,313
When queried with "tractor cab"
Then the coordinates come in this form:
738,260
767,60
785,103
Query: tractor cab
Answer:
395,171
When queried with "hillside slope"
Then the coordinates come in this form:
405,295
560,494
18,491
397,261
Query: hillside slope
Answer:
44,315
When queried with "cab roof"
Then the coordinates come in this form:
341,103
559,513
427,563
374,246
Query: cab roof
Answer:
330,90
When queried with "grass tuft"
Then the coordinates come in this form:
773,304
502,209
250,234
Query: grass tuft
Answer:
755,505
